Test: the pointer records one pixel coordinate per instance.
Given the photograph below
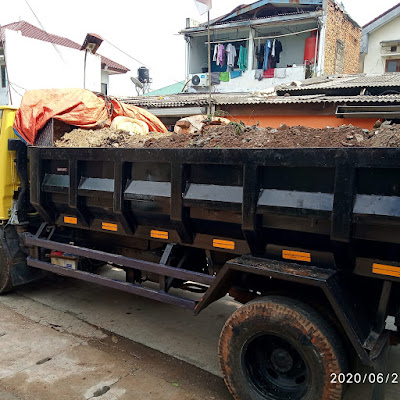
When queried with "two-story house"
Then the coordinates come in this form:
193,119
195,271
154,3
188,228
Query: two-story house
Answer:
271,42
380,43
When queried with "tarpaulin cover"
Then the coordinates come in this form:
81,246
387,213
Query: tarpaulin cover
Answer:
78,107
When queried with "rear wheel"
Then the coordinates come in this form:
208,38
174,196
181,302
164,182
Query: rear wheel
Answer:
277,348
5,274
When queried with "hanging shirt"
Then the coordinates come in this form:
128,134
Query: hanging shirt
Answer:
221,55
242,58
231,55
278,51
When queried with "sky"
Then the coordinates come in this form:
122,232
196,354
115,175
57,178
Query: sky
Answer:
145,30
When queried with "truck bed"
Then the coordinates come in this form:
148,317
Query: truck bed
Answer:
340,204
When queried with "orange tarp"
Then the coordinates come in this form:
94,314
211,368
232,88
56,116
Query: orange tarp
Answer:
78,107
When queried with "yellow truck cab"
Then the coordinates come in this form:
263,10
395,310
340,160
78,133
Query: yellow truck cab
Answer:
8,175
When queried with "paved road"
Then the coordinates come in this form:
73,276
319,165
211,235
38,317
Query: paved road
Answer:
41,361
64,303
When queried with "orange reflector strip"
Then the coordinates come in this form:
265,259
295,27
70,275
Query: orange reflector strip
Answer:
388,270
107,226
70,220
224,244
159,234
296,255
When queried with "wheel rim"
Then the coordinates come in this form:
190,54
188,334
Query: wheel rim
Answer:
275,368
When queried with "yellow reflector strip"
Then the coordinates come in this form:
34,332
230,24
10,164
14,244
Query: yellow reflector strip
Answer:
296,255
388,270
224,244
70,220
107,226
159,234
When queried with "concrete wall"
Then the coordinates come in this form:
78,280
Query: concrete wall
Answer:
247,82
374,63
34,64
340,27
198,57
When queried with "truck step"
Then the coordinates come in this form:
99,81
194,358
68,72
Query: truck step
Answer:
124,286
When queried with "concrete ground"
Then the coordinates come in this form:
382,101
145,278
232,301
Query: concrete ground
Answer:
94,336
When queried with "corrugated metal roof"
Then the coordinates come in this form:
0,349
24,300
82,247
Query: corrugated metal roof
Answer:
187,100
31,31
347,82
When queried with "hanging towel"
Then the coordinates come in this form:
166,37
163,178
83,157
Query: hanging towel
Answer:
269,73
215,78
259,74
224,76
280,73
236,74
242,62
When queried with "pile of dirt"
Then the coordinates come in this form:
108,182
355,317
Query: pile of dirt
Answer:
238,136
105,137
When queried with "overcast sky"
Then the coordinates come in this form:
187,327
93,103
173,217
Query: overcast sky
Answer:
146,30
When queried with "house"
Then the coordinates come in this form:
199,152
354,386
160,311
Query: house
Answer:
31,58
304,38
317,102
380,43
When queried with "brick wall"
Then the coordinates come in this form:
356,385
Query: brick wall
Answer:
340,30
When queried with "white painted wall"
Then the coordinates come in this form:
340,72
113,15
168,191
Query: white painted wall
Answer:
34,64
374,63
247,82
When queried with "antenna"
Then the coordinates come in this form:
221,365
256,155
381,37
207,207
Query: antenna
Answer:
138,85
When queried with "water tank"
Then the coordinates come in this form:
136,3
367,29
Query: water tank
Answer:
309,52
144,74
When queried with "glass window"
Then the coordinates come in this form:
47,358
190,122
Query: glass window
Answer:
3,76
393,66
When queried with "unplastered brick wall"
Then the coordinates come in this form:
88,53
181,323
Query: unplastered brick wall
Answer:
342,43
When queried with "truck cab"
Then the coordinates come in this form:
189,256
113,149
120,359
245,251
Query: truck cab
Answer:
9,181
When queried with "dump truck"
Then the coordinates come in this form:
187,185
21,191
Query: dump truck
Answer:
308,240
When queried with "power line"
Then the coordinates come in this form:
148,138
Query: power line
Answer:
44,30
133,58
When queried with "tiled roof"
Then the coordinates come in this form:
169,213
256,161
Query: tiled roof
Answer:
189,100
382,15
31,31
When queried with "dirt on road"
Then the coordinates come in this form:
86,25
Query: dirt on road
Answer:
43,362
236,135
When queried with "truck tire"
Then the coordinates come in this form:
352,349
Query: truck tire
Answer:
277,348
5,274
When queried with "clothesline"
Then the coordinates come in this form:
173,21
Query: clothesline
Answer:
228,41
263,37
286,34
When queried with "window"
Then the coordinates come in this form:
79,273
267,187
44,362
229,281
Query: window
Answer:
3,76
393,49
339,60
104,88
393,66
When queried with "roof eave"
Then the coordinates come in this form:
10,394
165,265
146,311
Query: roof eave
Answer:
260,21
251,7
